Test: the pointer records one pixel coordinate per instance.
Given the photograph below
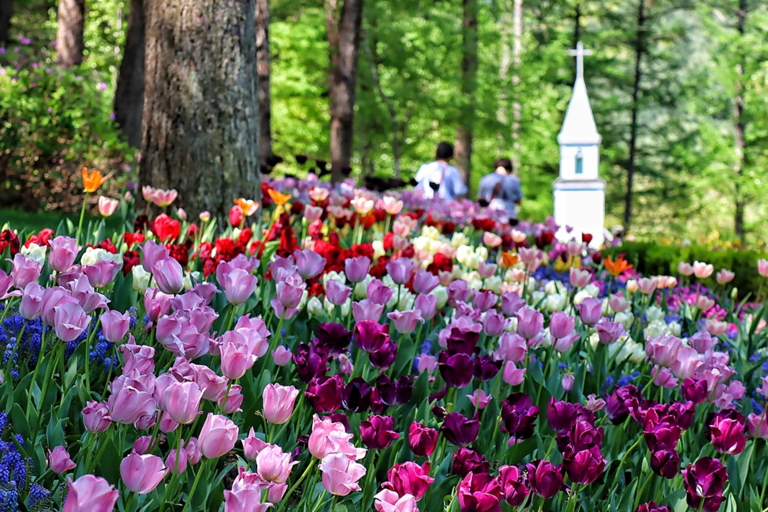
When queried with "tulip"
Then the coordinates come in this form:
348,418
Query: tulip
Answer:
479,492
409,478
278,403
70,321
647,285
176,461
580,278
114,326
169,275
484,300
618,304
727,435
702,270
460,430
377,432
341,474
426,305
400,270
90,494
590,311
274,465
96,417
356,396
544,479
245,500
456,370
405,321
309,263
370,336
59,460
665,463
512,487
107,206
378,292
238,285
217,437
512,347
762,267
236,355
366,310
336,292
561,325
422,439
467,461
252,446
619,403
663,351
63,253
684,268
356,269
529,323
511,303
664,378
609,332
704,483
282,355
31,303
518,416
585,466
331,437
24,270
424,282
724,276
687,363
390,501
653,507
234,400
142,473
479,399
513,375
182,401
494,324
324,393
560,415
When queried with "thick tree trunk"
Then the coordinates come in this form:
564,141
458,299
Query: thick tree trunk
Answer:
129,94
639,52
343,19
69,33
262,57
502,114
6,11
464,132
201,104
740,144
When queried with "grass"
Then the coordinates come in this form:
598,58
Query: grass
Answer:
27,223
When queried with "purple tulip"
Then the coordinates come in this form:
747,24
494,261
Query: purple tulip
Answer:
333,337
529,323
704,481
324,393
695,391
422,439
24,270
52,298
367,310
665,463
466,460
424,282
356,269
169,275
486,368
456,369
310,363
70,321
378,292
511,303
405,321
484,300
544,479
460,430
400,270
337,292
288,292
494,324
427,305
653,507
370,336
63,253
32,301
590,311
560,415
101,273
238,284
609,332
584,467
115,326
377,432
153,252
479,493
385,355
357,395
518,416
394,393
309,263
561,325
619,403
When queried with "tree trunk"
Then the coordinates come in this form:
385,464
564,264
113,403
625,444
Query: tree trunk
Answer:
639,52
69,34
129,93
262,57
464,131
502,116
6,11
739,135
577,26
517,62
343,26
201,104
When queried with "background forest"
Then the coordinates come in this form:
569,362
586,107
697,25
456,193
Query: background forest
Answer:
679,91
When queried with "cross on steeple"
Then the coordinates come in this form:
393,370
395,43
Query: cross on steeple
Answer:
579,52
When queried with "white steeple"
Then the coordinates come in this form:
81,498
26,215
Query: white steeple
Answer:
579,127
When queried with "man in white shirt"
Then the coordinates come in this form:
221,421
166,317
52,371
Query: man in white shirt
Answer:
440,176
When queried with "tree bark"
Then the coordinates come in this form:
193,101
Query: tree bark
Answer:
129,93
639,52
6,11
201,105
343,21
738,115
502,114
69,32
464,132
262,58
517,63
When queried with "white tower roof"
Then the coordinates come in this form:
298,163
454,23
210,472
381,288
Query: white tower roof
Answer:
579,127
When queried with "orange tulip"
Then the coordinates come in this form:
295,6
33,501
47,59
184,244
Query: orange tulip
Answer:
247,206
509,259
616,267
278,197
91,181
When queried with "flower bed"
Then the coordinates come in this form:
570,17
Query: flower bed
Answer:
331,349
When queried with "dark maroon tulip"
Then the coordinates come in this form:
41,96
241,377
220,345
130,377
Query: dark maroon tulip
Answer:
560,415
644,407
662,436
486,368
334,337
403,390
665,463
585,466
584,414
409,478
377,432
685,412
340,417
309,363
394,393
584,436
371,335
727,435
456,370
466,460
324,393
653,507
357,395
544,479
478,492
459,430
385,356
518,416
439,394
462,342
620,402
422,439
439,412
512,487
704,480
377,406
695,391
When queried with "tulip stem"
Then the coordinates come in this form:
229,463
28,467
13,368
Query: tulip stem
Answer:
623,459
34,374
550,354
320,501
103,447
194,486
296,485
7,308
82,216
573,500
49,376
87,357
765,485
127,507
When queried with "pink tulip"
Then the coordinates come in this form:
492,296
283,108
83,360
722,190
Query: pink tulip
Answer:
236,356
702,270
618,304
153,253
156,303
176,461
687,363
139,357
238,284
486,270
664,378
512,347
647,285
336,292
590,311
663,350
425,304
513,375
309,263
758,425
107,206
762,267
685,269
24,270
405,321
491,239
252,445
245,500
724,276
594,404
59,460
279,402
53,297
169,275
479,399
131,397
70,321
193,451
182,401
90,494
274,465
330,437
390,501
217,437
31,303
63,253
282,355
426,363
234,400
580,278
530,322
115,326
340,474
96,417
313,213
214,387
142,473
101,273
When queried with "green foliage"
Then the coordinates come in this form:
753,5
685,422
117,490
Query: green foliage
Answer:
651,259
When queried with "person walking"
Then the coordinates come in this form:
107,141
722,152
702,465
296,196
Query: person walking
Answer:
500,190
440,177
